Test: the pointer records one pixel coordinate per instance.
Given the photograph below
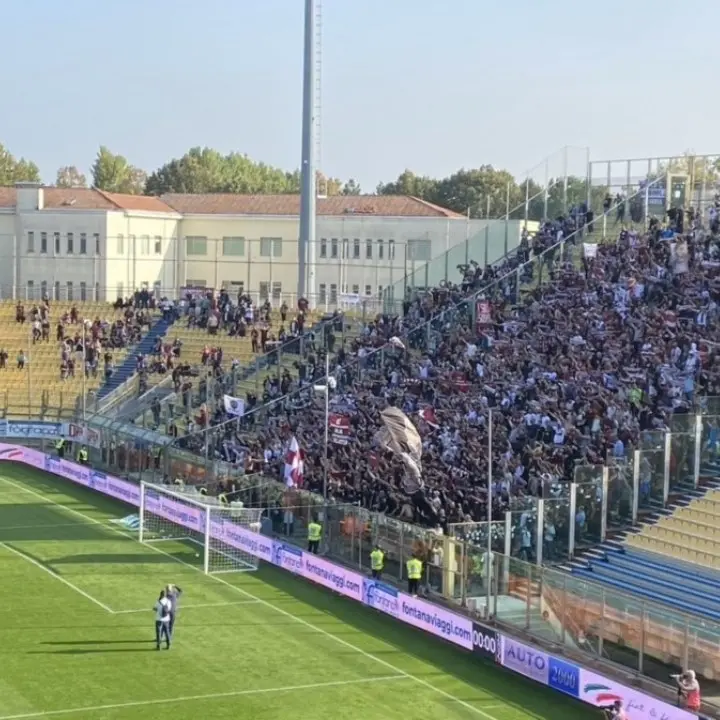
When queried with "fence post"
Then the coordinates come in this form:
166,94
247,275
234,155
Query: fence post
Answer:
571,526
604,503
636,486
666,468
698,449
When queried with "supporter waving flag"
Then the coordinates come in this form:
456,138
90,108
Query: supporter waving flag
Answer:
294,464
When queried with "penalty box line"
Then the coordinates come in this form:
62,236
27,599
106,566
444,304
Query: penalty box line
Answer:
208,696
301,621
55,575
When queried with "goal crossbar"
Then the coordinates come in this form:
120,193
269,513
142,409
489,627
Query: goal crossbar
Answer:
218,529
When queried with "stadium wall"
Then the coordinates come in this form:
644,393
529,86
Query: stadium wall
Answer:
531,662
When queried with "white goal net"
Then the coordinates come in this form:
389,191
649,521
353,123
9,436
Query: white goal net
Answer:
198,529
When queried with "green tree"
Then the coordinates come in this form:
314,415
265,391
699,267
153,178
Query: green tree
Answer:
114,173
408,183
351,187
203,170
13,170
70,177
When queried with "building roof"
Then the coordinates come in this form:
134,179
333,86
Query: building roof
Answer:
289,205
88,199
227,204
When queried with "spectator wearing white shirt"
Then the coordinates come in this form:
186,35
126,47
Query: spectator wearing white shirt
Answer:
162,609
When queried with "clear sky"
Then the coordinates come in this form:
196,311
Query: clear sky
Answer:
430,86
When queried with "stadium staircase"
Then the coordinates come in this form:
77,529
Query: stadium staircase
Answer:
127,369
668,557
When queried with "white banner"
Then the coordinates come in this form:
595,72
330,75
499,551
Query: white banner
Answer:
83,434
234,406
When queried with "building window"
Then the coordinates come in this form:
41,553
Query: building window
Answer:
83,243
97,292
56,237
346,243
43,290
276,290
270,247
120,245
30,290
334,248
70,290
158,245
356,289
391,249
236,287
83,291
333,294
70,244
96,238
381,250
323,248
145,244
43,242
419,250
233,246
196,245
368,249
196,283
380,291
264,291
120,291
323,294
157,289
56,295
368,290
356,249
31,242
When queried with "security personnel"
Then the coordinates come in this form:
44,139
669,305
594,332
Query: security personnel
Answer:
82,456
60,447
377,562
314,536
414,571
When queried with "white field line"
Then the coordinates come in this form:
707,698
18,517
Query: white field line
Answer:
209,696
42,527
58,577
183,606
301,621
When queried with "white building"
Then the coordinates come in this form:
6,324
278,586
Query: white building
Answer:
87,244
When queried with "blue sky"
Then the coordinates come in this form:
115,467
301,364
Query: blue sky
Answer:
431,86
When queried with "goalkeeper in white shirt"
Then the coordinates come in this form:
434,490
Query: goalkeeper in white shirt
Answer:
162,621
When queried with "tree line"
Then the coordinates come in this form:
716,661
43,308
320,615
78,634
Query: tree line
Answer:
481,192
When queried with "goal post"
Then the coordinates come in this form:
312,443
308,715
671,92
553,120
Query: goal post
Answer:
199,530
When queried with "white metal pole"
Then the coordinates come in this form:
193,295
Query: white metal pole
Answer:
206,559
84,376
327,421
141,511
488,559
29,371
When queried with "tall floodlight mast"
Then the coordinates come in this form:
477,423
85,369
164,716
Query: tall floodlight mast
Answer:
308,165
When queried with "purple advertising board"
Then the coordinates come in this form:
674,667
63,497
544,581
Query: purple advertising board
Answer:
531,662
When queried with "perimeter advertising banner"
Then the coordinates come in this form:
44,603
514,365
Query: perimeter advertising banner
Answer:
531,662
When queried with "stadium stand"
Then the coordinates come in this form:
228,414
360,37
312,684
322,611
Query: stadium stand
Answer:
41,351
547,313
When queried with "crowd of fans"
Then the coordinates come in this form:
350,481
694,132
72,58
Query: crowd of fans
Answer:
82,340
576,353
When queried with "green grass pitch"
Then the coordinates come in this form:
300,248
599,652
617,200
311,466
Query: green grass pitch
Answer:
77,634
